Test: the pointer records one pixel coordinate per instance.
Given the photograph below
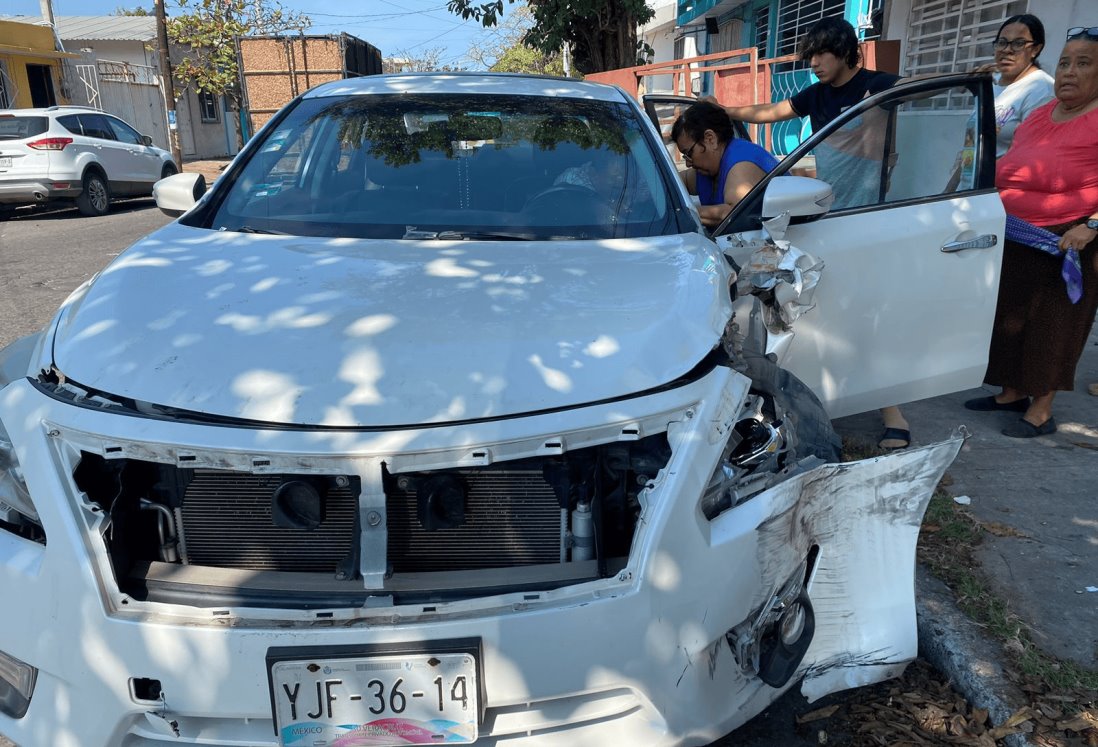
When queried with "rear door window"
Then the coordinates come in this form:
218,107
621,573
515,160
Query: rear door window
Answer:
18,128
95,125
71,123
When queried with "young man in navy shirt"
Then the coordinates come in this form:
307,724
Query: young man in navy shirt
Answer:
850,158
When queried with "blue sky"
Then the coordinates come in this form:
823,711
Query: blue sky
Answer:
391,25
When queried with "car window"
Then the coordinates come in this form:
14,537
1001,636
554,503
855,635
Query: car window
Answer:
417,166
95,125
17,128
911,148
71,123
124,132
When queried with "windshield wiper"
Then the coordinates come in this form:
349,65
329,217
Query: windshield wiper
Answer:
469,235
253,229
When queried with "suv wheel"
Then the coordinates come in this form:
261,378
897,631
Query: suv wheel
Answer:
168,170
95,197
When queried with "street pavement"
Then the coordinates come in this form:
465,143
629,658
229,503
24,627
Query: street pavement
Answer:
1040,494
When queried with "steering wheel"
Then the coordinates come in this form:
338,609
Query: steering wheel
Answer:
569,203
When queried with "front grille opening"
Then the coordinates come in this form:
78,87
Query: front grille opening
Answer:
263,536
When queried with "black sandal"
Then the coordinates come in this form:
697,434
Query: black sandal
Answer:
895,434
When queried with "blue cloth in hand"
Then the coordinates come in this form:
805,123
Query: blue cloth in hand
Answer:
1071,271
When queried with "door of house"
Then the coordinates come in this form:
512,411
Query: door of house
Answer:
41,85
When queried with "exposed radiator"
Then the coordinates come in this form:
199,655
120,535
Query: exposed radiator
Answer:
228,523
511,518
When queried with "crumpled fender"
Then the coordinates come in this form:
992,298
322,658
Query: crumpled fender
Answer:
863,586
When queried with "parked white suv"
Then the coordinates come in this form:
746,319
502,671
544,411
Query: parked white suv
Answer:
75,153
431,423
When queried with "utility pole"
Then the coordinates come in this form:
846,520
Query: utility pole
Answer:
166,80
46,7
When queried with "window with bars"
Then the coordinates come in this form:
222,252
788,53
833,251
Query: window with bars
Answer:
795,17
7,89
874,17
762,29
948,36
207,102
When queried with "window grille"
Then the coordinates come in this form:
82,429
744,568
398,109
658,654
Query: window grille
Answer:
762,29
795,17
7,88
952,35
871,24
207,102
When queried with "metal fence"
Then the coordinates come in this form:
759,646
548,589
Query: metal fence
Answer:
130,92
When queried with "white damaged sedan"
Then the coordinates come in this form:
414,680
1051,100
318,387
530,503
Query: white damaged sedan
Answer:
441,419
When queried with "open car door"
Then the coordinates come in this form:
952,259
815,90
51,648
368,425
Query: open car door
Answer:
911,247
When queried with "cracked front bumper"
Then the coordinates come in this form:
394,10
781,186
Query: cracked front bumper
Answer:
637,658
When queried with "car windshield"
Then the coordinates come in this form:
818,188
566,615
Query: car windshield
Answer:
17,128
451,167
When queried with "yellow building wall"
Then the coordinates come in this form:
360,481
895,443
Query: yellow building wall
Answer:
22,44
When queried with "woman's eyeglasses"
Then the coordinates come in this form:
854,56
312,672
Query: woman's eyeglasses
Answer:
1077,31
1014,45
688,154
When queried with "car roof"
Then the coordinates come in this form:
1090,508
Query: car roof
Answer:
54,110
469,83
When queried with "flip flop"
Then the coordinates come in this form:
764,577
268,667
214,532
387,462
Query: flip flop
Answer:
895,434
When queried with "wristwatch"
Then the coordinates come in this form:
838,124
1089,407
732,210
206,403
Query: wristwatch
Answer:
1092,224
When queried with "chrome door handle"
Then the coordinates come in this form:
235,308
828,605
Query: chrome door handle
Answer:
986,241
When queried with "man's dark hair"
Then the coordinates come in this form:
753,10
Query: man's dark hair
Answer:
702,116
1036,30
834,35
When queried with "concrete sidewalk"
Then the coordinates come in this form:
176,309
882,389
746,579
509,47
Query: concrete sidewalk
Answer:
1040,495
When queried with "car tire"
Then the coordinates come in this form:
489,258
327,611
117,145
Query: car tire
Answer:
168,170
789,399
6,212
95,197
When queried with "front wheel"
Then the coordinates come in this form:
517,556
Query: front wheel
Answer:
95,197
809,430
168,170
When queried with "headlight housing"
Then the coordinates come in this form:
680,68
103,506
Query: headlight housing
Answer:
14,495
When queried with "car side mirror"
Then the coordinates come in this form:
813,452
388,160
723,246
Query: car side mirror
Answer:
146,140
178,193
802,197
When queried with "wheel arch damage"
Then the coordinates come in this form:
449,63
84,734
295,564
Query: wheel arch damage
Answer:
855,526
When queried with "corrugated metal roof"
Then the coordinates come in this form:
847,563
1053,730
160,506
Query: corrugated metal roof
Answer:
100,28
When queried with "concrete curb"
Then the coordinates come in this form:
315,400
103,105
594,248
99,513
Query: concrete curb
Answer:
958,648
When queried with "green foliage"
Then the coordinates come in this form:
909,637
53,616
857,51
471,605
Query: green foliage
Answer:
520,58
208,29
138,11
602,33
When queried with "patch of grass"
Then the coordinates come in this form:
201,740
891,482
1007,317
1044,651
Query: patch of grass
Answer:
947,546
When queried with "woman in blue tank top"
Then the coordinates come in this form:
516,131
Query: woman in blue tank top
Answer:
721,169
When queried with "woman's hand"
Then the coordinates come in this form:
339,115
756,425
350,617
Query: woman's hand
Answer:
1077,238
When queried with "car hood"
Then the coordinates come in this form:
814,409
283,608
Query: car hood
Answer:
371,333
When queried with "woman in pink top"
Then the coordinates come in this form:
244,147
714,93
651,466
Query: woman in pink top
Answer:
1049,177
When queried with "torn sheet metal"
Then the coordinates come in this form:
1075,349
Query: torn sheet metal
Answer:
863,588
780,273
864,516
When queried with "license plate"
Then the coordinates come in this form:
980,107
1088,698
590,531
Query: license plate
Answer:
397,699
5,162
